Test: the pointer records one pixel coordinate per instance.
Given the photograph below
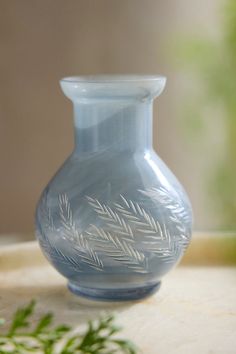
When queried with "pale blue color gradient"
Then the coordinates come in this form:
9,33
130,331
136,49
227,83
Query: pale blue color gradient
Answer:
114,219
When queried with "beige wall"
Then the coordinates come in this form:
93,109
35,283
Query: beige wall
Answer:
42,41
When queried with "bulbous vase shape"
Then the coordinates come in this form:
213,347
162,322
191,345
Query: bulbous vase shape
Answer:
114,219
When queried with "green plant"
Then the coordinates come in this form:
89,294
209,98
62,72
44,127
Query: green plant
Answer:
213,63
99,338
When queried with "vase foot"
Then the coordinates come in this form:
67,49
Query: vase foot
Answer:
114,294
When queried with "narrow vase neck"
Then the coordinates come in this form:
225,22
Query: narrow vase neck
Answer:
114,125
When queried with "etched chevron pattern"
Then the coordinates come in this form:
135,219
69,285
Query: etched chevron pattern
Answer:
116,238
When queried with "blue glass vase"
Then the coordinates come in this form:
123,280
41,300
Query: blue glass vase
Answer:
114,219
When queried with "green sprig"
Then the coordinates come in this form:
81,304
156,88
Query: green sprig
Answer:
99,338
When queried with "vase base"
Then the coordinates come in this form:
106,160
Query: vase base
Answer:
114,294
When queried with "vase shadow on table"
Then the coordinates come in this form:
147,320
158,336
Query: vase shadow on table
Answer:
57,299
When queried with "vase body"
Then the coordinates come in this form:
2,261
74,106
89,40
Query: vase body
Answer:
114,219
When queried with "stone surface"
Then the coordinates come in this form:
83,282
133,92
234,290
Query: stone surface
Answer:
194,311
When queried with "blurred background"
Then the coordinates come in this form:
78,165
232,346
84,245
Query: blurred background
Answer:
193,43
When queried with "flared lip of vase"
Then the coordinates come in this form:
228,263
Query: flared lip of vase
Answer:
112,78
98,87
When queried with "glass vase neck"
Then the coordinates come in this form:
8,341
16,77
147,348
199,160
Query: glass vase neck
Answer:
113,112
117,126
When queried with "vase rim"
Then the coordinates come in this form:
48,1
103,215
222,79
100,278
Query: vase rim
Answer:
112,78
112,87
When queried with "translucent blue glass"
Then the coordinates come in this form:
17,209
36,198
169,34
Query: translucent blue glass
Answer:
114,219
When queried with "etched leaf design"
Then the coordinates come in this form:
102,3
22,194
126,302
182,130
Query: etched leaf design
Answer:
179,215
45,212
52,253
85,252
116,238
67,224
169,252
119,249
115,244
156,238
111,217
137,215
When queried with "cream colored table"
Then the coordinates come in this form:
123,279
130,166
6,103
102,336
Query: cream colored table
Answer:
193,313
